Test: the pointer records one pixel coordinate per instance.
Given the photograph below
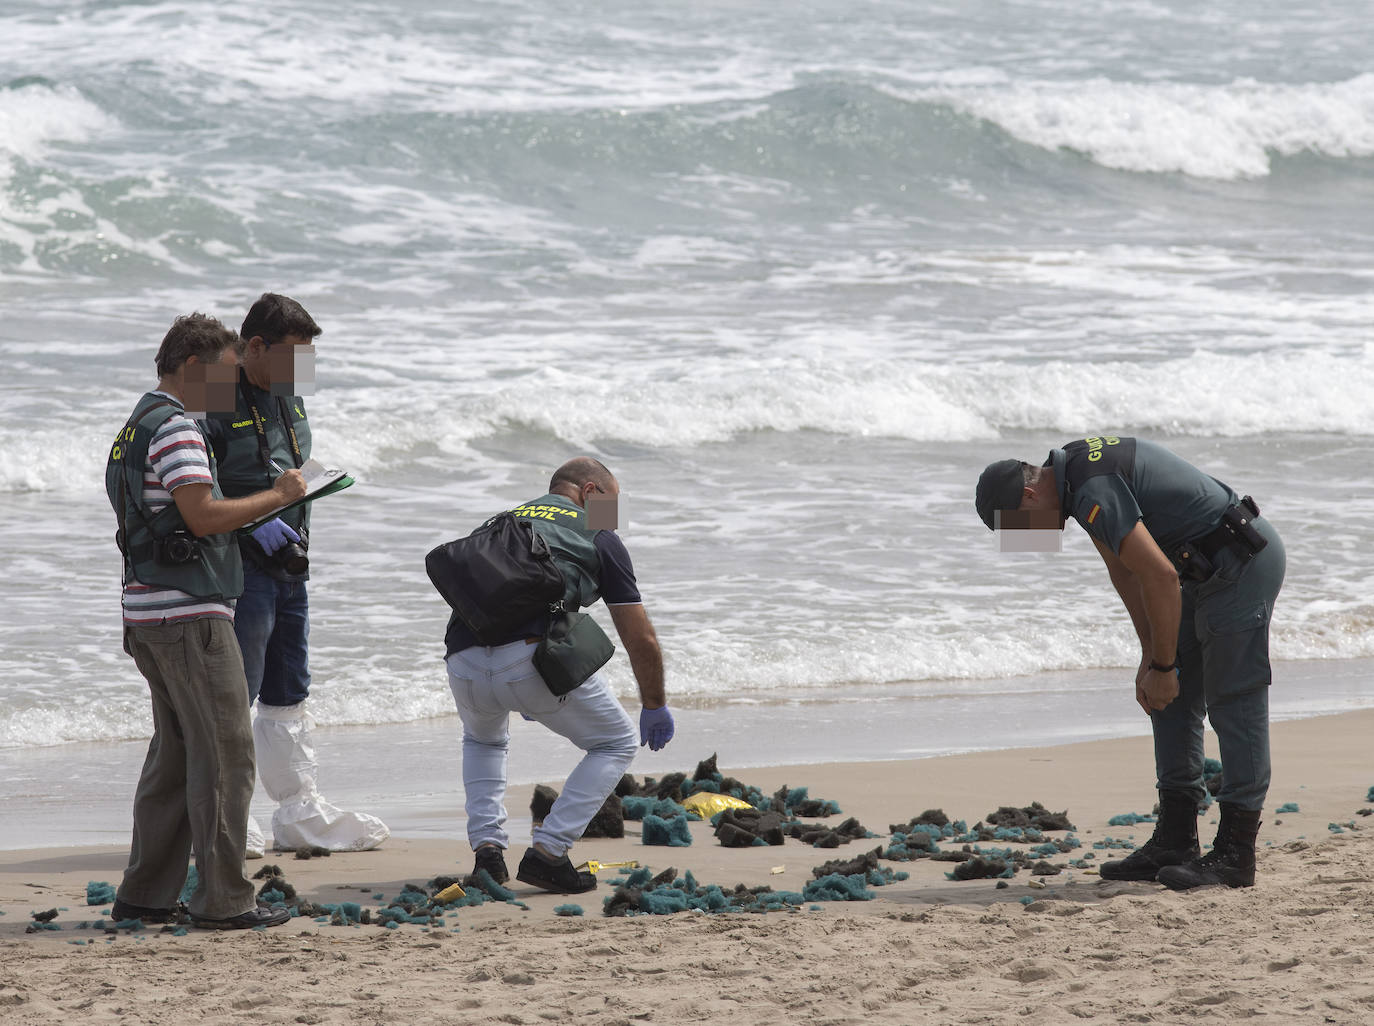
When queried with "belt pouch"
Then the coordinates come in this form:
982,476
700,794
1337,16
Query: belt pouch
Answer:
574,648
1240,520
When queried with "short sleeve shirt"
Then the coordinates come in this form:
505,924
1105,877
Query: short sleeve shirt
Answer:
1133,480
618,584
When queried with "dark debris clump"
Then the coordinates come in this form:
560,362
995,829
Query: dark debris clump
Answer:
1032,815
820,836
741,828
609,820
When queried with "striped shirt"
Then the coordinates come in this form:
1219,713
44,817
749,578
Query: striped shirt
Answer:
176,457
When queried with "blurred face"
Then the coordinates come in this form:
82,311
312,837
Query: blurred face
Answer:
604,509
208,389
285,368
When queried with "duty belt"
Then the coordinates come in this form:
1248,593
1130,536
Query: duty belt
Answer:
1196,560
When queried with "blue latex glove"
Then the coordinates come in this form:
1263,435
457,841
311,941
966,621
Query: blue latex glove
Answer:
655,727
274,534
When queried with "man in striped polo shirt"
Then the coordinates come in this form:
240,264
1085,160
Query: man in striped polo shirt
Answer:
182,573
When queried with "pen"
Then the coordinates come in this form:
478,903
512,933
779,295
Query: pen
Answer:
273,464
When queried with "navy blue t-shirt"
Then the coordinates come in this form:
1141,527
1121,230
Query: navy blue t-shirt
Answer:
616,582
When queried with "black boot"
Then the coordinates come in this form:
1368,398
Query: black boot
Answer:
1231,860
1173,843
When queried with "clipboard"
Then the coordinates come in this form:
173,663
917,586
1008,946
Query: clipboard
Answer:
319,482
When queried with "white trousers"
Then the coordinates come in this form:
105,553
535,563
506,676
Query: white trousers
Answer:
488,685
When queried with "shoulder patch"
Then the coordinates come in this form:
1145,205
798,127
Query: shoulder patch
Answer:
1092,514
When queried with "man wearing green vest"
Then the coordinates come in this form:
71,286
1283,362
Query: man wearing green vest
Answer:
181,576
489,682
268,431
1198,570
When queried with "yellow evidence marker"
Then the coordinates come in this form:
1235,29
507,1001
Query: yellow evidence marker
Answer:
592,866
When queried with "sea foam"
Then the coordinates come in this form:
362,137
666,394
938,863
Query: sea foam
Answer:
718,399
35,114
1206,131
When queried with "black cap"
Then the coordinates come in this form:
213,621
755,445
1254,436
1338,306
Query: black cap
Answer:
999,487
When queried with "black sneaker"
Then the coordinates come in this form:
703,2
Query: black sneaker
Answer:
258,915
559,877
490,858
124,911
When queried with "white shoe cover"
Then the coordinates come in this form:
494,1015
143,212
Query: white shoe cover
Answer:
257,844
286,764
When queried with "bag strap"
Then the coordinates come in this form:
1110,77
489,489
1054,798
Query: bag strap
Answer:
284,413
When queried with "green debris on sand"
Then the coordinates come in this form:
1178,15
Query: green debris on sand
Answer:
671,833
189,887
643,893
1129,819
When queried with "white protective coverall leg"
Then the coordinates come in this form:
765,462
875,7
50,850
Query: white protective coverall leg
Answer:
286,765
257,844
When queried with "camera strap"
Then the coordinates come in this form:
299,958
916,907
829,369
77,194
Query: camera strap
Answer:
284,412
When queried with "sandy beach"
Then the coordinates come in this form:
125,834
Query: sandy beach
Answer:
928,949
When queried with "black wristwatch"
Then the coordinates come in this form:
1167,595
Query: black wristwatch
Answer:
1163,669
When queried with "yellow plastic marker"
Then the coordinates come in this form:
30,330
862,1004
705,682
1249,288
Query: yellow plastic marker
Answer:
592,866
450,893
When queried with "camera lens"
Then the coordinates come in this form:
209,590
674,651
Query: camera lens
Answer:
177,548
293,558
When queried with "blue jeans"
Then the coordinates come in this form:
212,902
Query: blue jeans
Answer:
488,684
1224,675
272,622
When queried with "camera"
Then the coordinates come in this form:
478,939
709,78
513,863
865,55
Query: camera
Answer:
177,549
291,557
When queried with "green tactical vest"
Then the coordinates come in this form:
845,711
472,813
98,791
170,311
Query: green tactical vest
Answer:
218,573
564,526
235,442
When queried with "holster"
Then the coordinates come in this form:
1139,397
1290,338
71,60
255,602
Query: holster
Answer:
1192,563
1196,559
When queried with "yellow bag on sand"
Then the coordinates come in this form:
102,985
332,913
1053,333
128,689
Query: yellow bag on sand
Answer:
707,803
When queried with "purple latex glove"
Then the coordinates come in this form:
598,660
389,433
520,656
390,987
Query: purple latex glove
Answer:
655,727
274,534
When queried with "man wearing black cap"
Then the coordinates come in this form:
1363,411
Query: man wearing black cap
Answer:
1157,521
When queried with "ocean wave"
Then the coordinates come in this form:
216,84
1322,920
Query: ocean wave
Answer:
1205,131
713,666
714,400
35,113
718,399
930,154
829,122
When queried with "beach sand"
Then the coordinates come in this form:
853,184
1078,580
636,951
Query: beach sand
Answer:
1294,949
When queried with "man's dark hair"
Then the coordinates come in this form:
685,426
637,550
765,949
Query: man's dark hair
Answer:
272,318
196,334
579,471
